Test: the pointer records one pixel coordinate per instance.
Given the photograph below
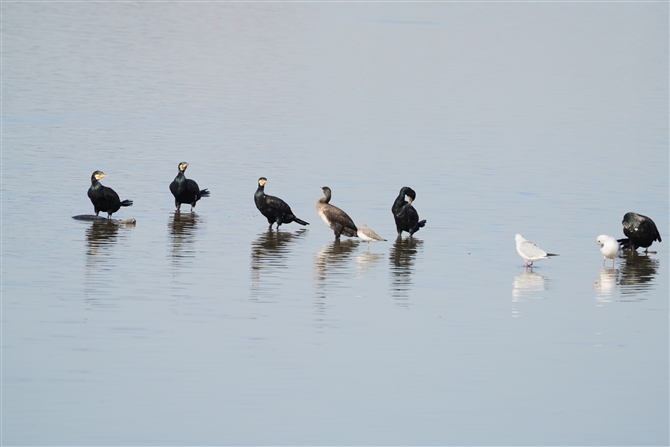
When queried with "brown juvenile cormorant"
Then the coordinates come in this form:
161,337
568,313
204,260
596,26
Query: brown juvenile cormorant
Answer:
273,208
334,217
104,198
186,190
406,217
640,230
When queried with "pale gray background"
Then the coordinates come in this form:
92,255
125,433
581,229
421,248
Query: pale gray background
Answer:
547,119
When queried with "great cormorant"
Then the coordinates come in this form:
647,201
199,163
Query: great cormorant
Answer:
273,208
186,190
640,230
335,218
104,198
406,217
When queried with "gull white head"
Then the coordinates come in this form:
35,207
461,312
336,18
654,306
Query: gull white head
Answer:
609,247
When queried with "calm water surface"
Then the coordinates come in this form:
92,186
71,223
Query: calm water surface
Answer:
545,119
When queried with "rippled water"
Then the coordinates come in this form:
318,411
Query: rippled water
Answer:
545,119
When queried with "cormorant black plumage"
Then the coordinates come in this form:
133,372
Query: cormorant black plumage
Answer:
186,190
335,218
406,217
273,208
104,198
641,231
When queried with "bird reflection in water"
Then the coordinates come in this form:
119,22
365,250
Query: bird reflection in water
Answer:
638,273
634,278
402,258
99,235
182,228
268,255
331,269
527,286
366,261
606,284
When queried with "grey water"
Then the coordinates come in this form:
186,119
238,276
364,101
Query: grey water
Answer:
205,328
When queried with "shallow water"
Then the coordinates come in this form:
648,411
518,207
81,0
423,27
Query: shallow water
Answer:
549,120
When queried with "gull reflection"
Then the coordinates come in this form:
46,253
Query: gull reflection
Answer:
331,268
182,228
605,284
402,257
638,274
268,255
528,286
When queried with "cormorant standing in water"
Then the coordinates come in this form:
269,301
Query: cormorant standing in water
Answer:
641,232
104,198
186,190
334,217
274,208
406,217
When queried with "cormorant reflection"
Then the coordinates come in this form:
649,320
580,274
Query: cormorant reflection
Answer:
329,265
100,234
182,229
269,251
637,273
330,260
402,257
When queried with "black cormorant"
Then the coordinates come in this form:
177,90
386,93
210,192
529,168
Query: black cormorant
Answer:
186,190
640,230
334,217
104,198
273,208
406,217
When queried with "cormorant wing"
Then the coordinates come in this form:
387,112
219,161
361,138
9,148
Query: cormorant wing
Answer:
110,195
192,187
278,204
336,215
